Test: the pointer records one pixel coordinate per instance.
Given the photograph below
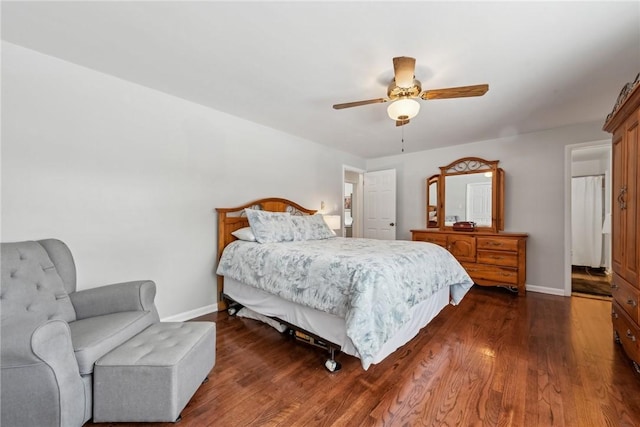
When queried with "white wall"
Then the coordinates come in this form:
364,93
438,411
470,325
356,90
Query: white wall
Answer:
589,167
534,166
129,177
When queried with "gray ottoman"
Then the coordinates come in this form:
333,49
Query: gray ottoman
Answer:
153,376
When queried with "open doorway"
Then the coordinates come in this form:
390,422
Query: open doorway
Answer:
353,201
590,202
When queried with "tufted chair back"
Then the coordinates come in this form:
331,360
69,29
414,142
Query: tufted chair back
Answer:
36,280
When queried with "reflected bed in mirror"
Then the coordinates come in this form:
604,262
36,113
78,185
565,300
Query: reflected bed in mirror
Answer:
432,202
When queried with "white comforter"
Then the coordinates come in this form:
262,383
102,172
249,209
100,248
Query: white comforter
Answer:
372,284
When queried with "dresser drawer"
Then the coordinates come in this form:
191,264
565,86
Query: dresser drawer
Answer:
491,274
626,296
627,331
504,258
438,239
495,243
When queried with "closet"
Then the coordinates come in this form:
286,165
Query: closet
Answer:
625,221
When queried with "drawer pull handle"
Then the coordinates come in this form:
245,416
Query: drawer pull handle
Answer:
496,243
630,335
614,314
631,302
622,204
496,257
614,286
507,274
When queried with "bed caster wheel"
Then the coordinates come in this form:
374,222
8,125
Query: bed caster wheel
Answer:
332,365
232,311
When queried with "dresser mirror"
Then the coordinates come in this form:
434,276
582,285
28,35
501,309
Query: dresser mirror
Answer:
469,189
432,202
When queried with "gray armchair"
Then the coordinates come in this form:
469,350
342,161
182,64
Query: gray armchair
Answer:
52,334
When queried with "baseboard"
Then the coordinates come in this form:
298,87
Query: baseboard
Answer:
545,290
188,315
212,308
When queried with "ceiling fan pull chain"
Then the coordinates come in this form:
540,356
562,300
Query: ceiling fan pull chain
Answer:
403,139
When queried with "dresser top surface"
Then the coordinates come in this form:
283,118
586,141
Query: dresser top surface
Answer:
470,233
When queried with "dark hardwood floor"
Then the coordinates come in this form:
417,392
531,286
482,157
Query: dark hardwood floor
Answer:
495,360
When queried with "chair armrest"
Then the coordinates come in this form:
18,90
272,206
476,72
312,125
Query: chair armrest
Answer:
51,343
41,383
127,296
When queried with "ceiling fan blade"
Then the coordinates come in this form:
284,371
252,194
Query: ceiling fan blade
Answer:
455,92
402,122
404,68
359,103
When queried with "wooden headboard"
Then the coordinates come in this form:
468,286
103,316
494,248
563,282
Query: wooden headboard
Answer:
232,219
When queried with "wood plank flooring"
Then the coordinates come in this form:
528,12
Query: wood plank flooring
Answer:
495,360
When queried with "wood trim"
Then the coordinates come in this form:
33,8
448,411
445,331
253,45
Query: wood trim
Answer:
482,165
628,101
232,219
470,233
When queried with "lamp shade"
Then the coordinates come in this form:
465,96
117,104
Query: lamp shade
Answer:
333,221
403,109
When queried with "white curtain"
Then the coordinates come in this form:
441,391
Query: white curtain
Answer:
586,221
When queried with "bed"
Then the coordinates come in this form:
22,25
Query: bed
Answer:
363,297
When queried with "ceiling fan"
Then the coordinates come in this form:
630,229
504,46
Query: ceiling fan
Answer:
404,88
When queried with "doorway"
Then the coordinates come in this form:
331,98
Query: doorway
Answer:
380,206
590,207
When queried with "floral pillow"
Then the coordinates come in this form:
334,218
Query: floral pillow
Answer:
310,227
270,227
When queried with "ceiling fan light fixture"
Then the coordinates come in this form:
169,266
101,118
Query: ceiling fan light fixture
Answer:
403,109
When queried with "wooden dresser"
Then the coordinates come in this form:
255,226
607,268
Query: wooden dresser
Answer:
491,259
625,219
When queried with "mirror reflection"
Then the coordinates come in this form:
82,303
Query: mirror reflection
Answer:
432,201
469,198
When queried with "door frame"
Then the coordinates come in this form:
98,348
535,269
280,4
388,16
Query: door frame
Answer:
568,151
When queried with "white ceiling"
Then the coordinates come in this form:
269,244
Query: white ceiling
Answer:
284,64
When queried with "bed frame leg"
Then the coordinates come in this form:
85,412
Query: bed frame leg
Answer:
232,306
331,364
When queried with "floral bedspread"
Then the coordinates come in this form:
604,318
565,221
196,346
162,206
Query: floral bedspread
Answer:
372,284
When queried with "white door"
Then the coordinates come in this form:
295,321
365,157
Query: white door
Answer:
380,205
479,203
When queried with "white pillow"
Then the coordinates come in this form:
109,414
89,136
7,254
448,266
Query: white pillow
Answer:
270,227
244,234
310,227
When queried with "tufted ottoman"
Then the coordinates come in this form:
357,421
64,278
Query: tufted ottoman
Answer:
153,376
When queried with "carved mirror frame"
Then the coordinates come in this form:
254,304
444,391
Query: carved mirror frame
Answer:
465,166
